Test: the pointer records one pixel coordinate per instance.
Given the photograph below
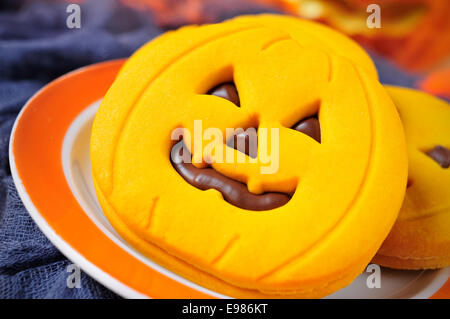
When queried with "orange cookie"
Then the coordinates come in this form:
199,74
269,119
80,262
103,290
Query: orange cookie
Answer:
303,213
420,239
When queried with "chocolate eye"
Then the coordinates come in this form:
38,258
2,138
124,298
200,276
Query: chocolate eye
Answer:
227,91
309,126
440,155
245,141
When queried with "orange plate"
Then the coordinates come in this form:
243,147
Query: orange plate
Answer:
36,149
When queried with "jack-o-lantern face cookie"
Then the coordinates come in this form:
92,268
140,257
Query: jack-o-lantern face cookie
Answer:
420,238
303,227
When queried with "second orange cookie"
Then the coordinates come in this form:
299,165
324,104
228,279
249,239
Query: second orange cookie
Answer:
420,239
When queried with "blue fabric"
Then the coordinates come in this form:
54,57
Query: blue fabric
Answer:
35,47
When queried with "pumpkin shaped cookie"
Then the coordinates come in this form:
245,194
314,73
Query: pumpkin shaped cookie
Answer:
420,238
340,176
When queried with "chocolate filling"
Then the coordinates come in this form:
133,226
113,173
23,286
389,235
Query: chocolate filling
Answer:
440,155
241,141
234,192
227,91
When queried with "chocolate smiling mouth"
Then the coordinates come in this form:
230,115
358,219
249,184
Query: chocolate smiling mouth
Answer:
235,192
